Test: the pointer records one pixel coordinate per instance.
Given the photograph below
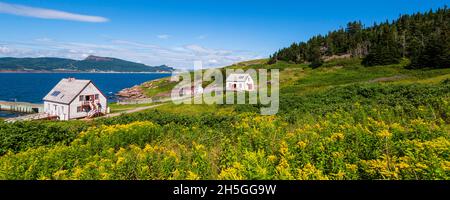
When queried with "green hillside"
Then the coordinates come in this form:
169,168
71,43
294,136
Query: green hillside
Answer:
338,121
90,64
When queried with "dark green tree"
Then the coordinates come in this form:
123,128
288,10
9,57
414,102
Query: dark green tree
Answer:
421,37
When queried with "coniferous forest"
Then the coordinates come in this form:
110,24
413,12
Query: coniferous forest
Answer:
424,38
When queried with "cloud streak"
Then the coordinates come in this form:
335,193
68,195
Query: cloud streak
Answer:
43,13
163,36
150,54
201,37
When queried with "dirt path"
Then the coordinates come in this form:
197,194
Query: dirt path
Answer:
388,79
132,110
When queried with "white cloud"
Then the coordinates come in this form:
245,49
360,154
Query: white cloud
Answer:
213,61
201,37
43,13
44,40
196,48
163,36
150,54
133,44
4,50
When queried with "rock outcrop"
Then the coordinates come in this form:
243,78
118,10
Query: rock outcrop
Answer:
135,92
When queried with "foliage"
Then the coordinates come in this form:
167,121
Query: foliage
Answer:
340,121
422,37
20,136
339,145
435,52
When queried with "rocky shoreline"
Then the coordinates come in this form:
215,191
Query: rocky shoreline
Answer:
135,92
138,92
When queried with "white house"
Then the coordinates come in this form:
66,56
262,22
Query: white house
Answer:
72,98
239,82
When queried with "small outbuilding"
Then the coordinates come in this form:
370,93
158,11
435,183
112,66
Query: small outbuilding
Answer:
239,82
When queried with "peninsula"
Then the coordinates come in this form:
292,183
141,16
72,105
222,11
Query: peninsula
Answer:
89,64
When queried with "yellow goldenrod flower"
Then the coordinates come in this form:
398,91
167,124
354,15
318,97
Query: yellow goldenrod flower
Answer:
384,134
192,176
272,158
302,144
337,137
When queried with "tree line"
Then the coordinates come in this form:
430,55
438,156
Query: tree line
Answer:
423,38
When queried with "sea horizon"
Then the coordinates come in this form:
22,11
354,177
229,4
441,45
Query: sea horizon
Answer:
18,87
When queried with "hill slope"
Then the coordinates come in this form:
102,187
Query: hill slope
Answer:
90,64
339,121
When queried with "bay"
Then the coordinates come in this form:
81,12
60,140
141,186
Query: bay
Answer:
32,87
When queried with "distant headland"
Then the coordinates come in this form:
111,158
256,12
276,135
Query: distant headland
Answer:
91,64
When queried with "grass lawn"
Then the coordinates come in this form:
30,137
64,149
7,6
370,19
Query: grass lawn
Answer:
119,108
159,86
193,109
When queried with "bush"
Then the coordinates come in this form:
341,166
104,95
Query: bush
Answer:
20,136
382,55
340,145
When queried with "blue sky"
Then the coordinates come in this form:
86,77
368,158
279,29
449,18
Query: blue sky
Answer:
179,32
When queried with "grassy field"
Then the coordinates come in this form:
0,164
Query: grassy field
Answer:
158,87
339,121
115,108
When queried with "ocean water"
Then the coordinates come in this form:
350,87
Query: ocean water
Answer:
6,114
32,87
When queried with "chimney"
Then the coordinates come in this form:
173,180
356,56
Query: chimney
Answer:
71,79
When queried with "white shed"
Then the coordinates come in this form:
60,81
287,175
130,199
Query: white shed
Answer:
72,98
240,82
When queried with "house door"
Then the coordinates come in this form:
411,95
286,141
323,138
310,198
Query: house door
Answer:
61,112
250,86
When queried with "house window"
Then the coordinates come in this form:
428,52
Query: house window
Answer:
56,93
96,96
79,109
81,98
